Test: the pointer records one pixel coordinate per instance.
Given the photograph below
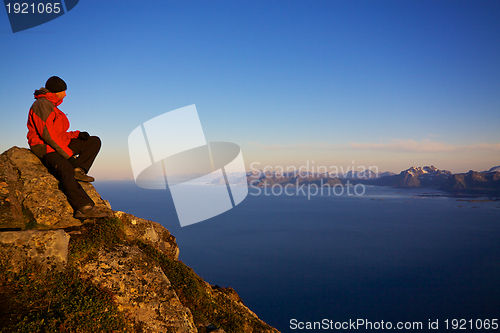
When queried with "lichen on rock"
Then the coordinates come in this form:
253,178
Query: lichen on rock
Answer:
47,248
150,232
141,289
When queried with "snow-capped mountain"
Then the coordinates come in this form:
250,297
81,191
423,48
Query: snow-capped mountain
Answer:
427,176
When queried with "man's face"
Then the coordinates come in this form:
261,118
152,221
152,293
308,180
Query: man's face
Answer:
61,94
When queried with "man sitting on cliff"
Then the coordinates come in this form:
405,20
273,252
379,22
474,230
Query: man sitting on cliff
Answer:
50,140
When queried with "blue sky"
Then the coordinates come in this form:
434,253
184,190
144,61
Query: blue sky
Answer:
382,83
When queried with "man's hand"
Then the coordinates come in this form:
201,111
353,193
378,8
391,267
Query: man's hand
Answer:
83,136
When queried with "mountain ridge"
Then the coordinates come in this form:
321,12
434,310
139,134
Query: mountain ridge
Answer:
473,182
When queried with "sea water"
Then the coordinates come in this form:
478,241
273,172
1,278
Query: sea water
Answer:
388,256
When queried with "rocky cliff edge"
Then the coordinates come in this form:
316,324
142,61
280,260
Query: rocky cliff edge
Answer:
119,274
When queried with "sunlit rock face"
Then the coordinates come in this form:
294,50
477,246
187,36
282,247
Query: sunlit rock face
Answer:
132,259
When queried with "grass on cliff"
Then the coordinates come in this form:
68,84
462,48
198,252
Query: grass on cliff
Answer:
34,301
64,302
206,307
107,232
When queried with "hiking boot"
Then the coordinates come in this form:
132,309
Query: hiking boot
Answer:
89,212
80,175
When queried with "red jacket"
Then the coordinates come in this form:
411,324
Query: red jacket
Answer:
48,126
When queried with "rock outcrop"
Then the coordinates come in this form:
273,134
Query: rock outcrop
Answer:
131,262
30,195
141,289
48,248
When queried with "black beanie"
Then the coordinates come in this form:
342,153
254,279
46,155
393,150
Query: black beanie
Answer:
55,84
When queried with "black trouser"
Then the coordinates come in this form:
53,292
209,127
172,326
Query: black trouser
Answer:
65,172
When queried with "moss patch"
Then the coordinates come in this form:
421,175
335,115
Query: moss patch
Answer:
56,302
215,307
106,232
29,218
